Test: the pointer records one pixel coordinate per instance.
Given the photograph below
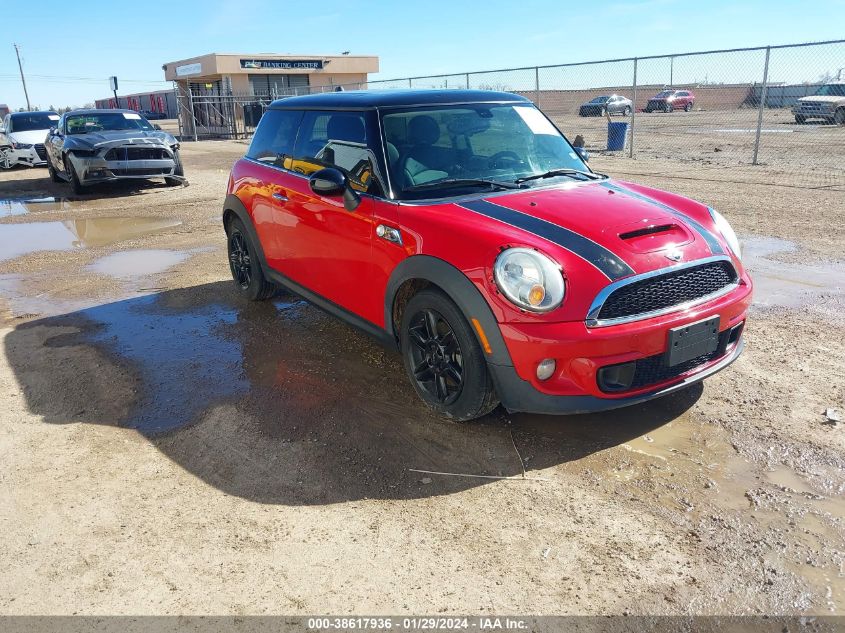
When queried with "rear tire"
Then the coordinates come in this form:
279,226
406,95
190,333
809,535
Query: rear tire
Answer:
245,265
839,116
626,111
688,107
443,359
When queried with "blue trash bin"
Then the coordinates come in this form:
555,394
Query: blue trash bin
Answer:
617,134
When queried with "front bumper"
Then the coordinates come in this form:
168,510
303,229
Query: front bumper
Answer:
581,352
28,157
814,111
103,167
518,395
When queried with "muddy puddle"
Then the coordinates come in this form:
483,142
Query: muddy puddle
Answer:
137,263
788,284
22,206
21,239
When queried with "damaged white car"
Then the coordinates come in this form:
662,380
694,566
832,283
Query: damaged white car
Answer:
94,146
22,137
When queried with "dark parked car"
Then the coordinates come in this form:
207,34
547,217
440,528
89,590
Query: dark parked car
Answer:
92,146
152,115
669,100
612,104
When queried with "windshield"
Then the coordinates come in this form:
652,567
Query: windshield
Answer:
107,121
599,99
832,90
24,122
665,93
466,143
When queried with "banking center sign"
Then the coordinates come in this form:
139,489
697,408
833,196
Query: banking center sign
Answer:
283,64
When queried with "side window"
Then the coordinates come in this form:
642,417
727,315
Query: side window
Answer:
275,136
334,139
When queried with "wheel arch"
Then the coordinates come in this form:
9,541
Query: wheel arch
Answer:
234,208
424,271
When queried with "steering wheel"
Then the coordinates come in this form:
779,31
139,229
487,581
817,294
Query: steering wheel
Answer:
504,160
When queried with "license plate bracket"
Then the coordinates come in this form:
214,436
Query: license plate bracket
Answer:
693,340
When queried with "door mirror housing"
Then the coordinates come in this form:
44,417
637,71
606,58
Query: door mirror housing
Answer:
333,182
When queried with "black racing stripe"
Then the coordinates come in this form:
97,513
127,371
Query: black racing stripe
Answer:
709,238
608,263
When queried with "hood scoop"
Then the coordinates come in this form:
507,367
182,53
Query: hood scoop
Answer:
654,236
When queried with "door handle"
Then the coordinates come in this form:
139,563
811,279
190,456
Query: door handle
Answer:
280,197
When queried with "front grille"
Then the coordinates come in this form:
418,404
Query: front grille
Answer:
136,153
670,289
41,151
654,105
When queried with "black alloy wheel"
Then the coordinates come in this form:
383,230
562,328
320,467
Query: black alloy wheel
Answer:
245,266
436,357
239,260
443,358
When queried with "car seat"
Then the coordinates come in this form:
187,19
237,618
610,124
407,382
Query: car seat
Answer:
417,165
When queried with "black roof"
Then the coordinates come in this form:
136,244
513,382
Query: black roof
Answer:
395,98
84,111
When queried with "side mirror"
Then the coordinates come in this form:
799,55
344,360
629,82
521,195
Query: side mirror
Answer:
333,182
583,153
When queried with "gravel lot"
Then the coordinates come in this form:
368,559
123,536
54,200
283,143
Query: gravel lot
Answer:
168,448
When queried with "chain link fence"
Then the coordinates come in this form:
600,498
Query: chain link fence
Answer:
692,112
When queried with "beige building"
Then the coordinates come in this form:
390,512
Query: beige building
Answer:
269,73
225,91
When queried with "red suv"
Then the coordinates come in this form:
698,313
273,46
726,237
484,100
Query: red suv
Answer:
462,229
669,100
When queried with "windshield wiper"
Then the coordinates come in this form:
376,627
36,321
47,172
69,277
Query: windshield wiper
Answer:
463,182
561,172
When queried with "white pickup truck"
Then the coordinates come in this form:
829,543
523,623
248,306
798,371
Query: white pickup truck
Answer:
828,104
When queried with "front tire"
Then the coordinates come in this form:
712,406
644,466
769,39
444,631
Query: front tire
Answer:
54,176
178,170
800,120
626,111
688,107
245,265
443,359
78,187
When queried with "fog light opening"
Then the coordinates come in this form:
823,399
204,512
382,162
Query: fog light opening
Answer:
546,368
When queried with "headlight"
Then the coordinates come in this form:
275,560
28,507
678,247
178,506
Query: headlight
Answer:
17,145
529,279
727,232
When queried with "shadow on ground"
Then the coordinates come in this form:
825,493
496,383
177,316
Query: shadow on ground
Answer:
281,403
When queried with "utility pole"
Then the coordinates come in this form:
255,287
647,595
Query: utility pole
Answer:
23,81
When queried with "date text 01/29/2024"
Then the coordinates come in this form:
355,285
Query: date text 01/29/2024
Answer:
420,623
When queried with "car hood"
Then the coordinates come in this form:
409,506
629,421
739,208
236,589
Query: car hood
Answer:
30,137
822,99
615,228
96,140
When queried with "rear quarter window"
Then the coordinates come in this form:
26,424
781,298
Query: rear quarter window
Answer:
275,136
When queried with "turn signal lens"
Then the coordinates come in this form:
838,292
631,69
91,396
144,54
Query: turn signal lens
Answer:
536,295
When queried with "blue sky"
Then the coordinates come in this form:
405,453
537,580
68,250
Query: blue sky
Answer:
419,38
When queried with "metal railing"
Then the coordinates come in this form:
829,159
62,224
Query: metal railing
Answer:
741,116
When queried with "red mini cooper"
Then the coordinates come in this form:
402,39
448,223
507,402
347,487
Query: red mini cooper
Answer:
462,228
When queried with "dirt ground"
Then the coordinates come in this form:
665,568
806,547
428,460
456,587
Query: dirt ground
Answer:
168,448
